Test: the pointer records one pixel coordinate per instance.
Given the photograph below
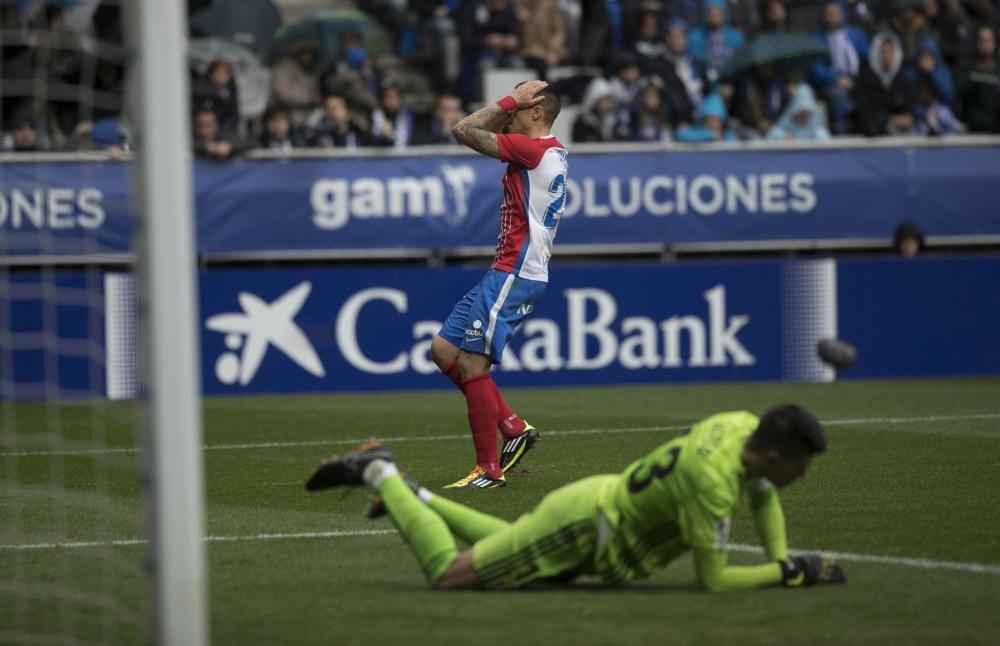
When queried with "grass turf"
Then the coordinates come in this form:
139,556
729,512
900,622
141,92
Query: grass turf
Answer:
924,488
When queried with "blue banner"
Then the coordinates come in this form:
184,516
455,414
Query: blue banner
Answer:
64,209
929,317
370,329
335,329
446,202
330,330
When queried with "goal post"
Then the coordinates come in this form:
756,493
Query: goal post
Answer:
166,271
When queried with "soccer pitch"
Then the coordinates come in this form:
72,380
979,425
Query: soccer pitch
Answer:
908,495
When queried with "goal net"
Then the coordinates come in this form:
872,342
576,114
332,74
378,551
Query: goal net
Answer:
101,527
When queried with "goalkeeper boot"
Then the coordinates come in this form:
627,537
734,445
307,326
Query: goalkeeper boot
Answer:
376,506
347,469
515,448
478,479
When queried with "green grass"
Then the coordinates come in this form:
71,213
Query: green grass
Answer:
923,489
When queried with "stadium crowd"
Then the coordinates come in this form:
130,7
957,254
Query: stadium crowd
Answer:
638,70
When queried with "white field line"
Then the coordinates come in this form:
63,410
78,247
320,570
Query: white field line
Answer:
465,436
903,561
908,420
24,547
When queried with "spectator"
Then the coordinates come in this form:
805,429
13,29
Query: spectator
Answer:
712,123
543,34
295,81
934,93
354,77
861,14
56,57
353,74
979,85
848,47
801,120
209,141
715,41
23,135
624,82
217,88
952,31
278,134
110,134
572,13
432,41
884,97
910,27
631,13
351,53
687,10
983,12
932,72
649,46
758,100
598,119
491,35
392,122
908,240
602,29
685,79
774,17
744,14
649,120
447,113
336,126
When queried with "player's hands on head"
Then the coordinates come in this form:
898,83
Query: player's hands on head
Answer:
811,569
525,93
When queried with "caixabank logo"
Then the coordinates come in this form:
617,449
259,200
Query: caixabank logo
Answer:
260,326
380,336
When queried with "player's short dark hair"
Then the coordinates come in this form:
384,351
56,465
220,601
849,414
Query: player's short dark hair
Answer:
790,430
551,105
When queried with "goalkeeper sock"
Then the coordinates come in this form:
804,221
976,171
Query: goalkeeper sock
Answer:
464,522
481,400
421,527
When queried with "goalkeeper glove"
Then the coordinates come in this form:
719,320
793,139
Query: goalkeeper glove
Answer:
810,570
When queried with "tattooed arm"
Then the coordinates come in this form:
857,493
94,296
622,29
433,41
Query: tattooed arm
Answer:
479,130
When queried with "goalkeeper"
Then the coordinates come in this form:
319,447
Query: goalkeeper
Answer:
680,497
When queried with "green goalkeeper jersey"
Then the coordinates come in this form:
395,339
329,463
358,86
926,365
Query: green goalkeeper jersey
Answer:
680,496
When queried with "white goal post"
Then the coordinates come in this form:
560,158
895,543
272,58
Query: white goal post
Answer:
173,471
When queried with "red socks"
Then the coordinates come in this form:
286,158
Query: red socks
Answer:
507,421
481,399
451,372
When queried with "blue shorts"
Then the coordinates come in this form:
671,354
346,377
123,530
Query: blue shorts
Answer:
484,320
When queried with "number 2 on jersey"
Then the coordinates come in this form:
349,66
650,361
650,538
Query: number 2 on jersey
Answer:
557,189
637,484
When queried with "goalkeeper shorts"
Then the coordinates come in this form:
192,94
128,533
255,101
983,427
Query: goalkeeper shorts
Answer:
555,542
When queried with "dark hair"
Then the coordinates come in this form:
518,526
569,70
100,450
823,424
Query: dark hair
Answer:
441,97
389,85
908,230
201,107
790,430
274,112
551,105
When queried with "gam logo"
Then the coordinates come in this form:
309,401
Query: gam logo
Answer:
336,201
